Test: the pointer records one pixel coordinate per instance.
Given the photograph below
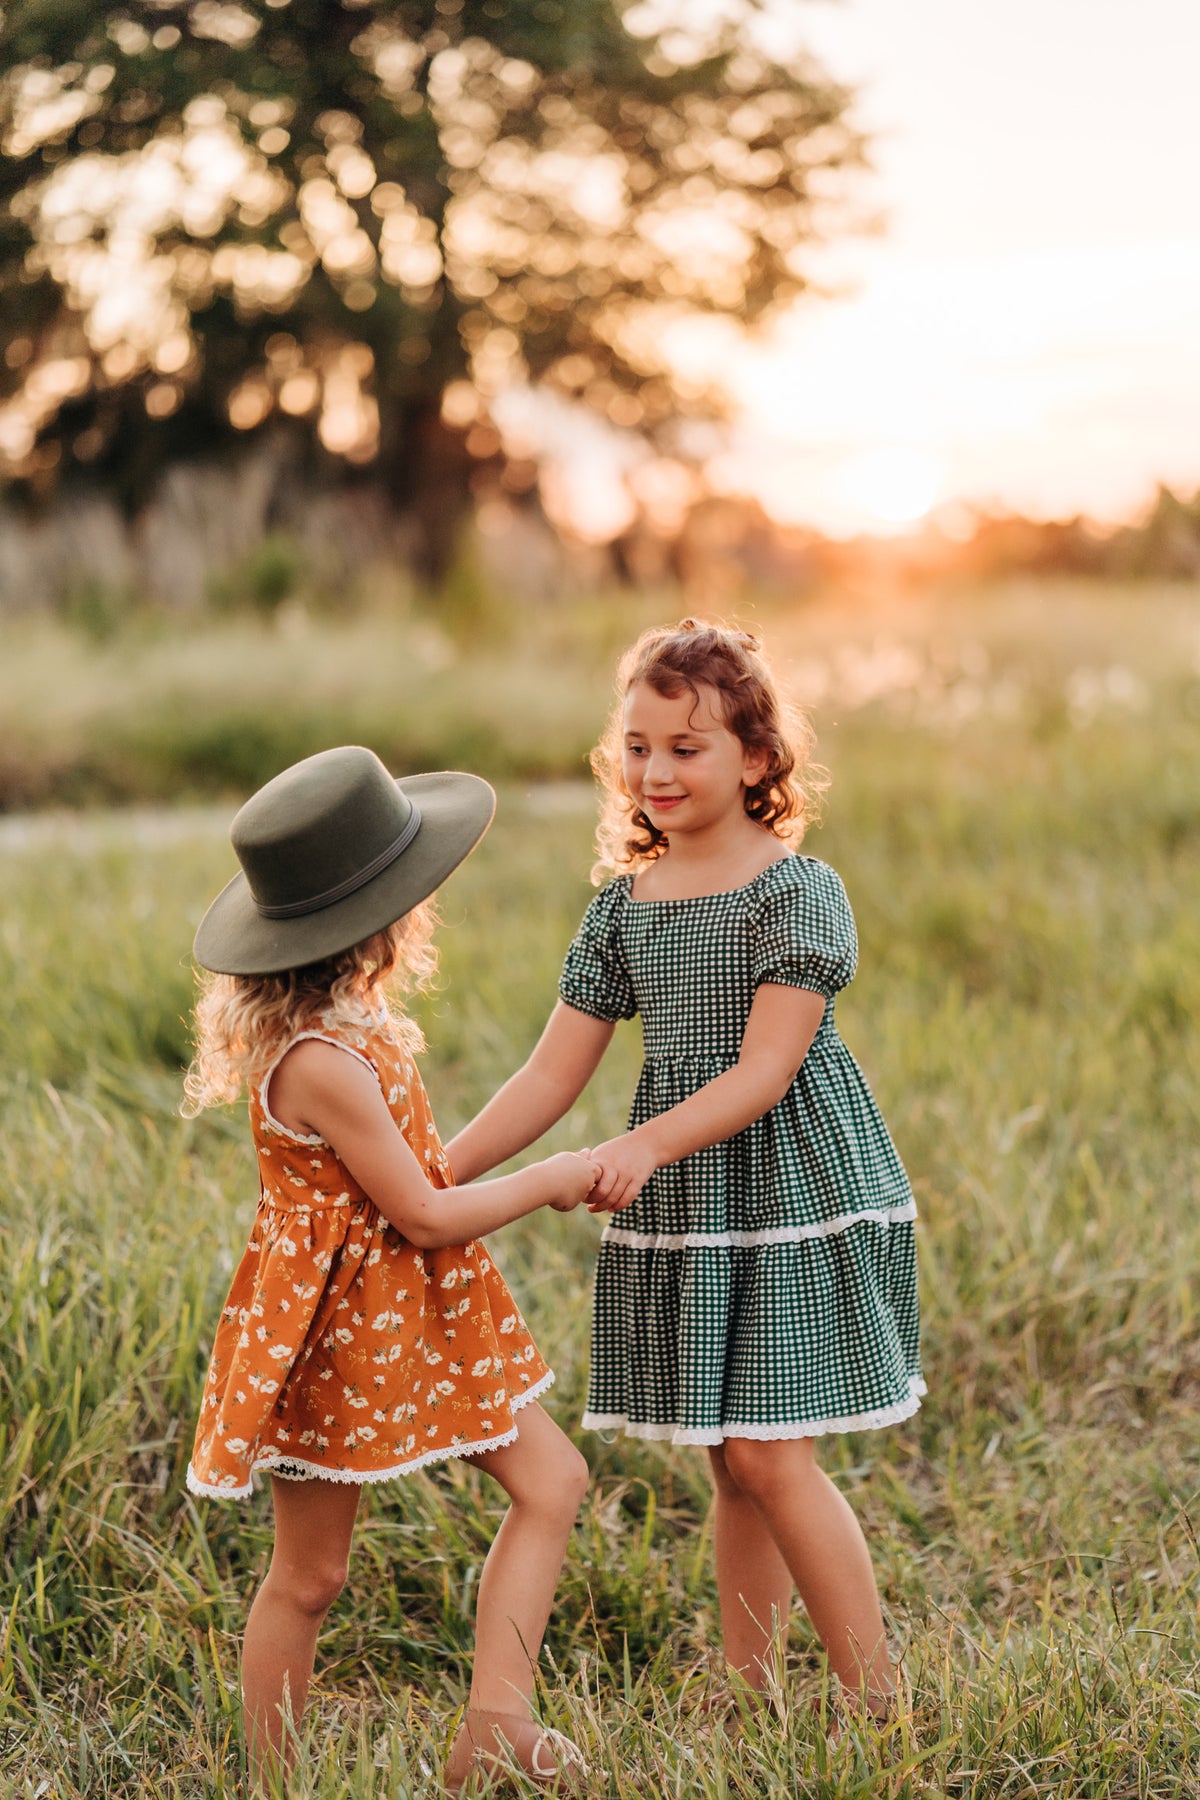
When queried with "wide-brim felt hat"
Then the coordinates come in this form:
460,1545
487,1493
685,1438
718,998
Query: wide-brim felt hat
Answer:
332,851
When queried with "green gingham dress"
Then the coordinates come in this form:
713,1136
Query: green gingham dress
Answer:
764,1287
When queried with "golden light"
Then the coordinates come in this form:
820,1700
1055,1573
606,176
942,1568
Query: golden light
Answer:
353,170
359,296
269,112
58,380
408,246
349,421
173,354
460,404
386,197
249,404
664,489
350,253
893,486
163,399
227,24
300,393
120,362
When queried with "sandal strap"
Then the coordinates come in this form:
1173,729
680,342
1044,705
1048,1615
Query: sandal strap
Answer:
568,1755
552,1761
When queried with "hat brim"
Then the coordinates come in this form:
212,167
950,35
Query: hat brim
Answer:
233,938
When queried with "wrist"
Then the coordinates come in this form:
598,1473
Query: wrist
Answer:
550,1183
649,1143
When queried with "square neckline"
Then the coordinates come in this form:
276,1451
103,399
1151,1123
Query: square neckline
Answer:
717,894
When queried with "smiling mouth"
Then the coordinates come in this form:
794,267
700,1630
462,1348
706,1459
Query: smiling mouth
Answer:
664,801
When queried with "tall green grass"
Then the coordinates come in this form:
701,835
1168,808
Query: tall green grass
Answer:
162,710
1026,875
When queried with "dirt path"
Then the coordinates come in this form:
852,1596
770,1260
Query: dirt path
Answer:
149,825
158,826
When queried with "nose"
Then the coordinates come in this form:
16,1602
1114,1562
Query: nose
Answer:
660,772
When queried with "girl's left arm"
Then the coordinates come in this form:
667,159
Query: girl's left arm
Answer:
782,1024
562,1063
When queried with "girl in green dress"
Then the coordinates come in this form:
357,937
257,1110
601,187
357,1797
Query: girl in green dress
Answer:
756,1285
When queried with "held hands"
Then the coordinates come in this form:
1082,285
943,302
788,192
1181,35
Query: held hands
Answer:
609,1178
626,1165
577,1175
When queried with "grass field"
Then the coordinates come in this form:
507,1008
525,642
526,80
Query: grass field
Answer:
1016,813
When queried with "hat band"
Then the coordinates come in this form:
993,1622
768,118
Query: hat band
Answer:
296,909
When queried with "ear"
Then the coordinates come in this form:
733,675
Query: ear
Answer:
755,764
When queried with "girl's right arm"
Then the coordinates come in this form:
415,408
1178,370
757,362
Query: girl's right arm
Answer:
563,1061
319,1090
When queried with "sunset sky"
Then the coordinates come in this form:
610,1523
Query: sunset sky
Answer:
1026,334
1022,334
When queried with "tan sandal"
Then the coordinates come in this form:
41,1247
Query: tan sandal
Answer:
492,1745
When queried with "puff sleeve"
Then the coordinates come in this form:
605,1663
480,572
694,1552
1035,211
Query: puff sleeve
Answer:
803,932
595,977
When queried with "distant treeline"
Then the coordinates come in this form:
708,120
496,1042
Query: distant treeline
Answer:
253,532
1164,546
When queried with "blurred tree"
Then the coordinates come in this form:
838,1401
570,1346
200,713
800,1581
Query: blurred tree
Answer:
370,216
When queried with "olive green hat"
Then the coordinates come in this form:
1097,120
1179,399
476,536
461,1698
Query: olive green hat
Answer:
332,851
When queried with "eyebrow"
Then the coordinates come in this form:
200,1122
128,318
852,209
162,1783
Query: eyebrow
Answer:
693,731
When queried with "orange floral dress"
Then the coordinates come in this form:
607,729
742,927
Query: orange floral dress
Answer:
344,1352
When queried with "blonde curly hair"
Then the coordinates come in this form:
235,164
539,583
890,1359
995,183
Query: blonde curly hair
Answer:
680,659
244,1022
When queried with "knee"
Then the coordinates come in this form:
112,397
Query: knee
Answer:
722,1475
559,1485
570,1479
313,1585
759,1470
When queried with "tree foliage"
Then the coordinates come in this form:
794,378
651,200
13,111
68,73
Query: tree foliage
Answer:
342,210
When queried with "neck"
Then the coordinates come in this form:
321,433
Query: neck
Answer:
709,862
727,841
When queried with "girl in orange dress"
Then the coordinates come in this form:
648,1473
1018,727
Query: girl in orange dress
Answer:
367,1332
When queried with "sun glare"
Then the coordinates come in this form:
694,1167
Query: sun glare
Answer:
893,486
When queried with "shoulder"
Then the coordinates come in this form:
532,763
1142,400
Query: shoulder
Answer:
354,1048
801,899
606,907
312,1074
802,929
319,1063
801,881
596,977
332,1088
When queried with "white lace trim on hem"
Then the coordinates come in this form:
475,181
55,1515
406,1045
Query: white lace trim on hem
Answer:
713,1434
295,1468
743,1240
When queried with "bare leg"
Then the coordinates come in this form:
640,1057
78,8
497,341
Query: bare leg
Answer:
822,1544
545,1477
753,1581
314,1522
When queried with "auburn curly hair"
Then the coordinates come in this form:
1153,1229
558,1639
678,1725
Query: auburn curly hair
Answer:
244,1022
680,659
